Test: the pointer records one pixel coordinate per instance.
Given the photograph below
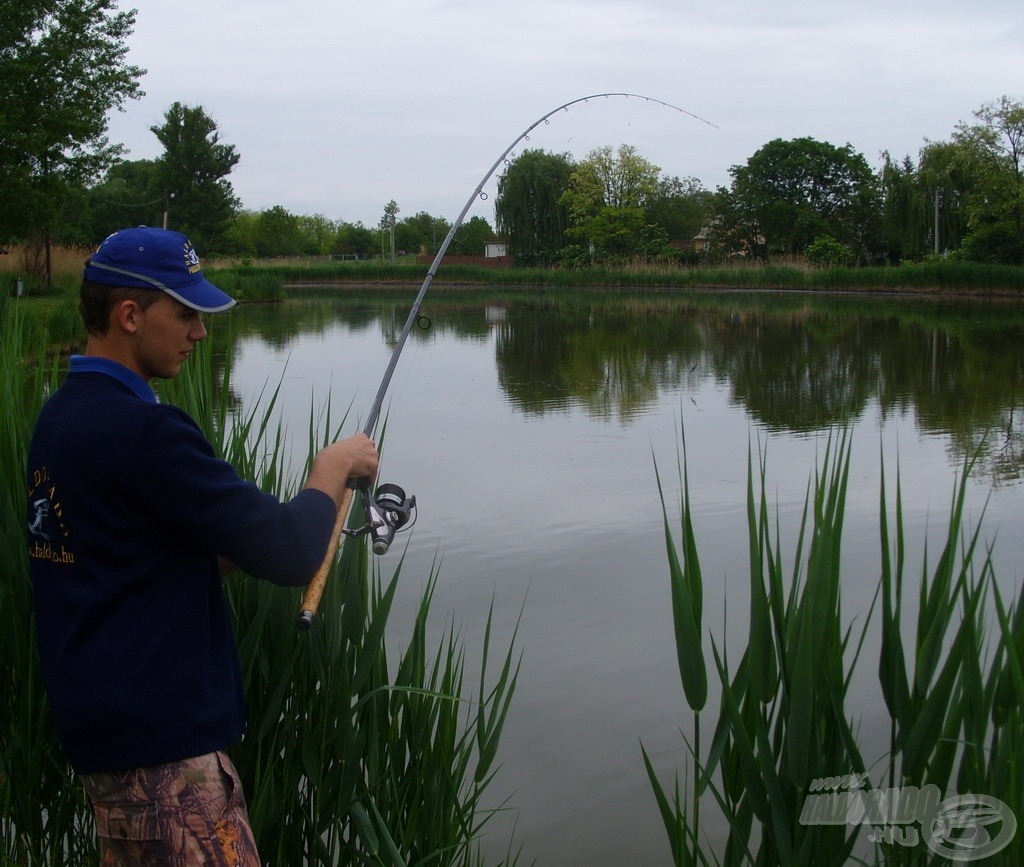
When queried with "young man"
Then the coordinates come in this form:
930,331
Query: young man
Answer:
132,523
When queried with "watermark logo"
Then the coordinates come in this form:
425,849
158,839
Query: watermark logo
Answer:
960,828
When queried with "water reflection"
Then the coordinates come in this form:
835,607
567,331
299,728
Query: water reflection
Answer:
526,425
795,363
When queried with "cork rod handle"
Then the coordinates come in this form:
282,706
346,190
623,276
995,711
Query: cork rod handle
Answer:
315,589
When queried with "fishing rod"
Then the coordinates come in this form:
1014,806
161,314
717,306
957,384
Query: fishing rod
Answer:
389,509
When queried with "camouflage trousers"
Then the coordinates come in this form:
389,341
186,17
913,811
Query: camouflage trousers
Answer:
189,813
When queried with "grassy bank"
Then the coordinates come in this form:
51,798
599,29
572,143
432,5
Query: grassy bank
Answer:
933,278
263,280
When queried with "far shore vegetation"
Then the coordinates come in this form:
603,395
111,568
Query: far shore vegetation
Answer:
276,279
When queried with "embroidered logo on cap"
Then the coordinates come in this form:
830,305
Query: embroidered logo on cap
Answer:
191,259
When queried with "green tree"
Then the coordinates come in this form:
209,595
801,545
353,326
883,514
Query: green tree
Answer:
278,233
240,237
62,69
827,252
192,175
127,196
607,199
679,207
354,239
318,234
791,192
528,211
924,206
387,224
949,176
997,203
471,237
421,233
905,229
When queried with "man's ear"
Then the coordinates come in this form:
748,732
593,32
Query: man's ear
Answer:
125,316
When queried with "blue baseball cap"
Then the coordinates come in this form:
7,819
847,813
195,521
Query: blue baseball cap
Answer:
149,258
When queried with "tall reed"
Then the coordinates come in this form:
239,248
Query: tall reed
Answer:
785,769
43,816
352,756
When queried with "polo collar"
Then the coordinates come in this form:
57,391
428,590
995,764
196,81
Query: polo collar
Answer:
129,378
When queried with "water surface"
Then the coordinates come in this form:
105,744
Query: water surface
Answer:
528,425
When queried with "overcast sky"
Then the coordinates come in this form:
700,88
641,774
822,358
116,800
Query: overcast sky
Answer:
338,107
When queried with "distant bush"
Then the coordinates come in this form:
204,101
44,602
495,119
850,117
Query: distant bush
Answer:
826,252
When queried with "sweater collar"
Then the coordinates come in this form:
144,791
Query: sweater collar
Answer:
94,364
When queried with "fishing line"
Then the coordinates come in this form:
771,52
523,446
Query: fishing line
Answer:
390,510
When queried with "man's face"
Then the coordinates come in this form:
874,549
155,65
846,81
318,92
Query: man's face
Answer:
166,333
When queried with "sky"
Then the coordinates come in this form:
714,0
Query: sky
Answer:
336,108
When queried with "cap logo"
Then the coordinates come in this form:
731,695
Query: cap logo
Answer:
191,259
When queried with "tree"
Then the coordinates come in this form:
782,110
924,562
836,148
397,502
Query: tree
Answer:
905,229
679,207
607,199
62,69
528,211
827,252
126,196
240,238
791,192
997,204
318,233
192,176
278,233
948,176
421,233
387,228
924,206
471,237
620,180
354,239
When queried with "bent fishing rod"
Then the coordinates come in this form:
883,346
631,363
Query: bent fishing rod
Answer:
389,510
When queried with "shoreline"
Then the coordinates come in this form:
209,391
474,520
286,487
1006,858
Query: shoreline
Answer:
314,286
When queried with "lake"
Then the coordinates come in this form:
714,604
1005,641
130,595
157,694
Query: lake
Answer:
529,425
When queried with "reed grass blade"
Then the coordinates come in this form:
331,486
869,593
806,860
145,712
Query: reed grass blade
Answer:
687,592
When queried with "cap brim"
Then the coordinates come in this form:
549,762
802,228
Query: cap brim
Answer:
202,296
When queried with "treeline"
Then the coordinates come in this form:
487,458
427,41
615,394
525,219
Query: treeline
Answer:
62,181
131,193
187,188
798,198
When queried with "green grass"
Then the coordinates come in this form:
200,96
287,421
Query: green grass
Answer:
354,755
248,284
954,691
929,277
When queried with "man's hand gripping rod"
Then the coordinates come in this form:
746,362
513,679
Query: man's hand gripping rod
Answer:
316,586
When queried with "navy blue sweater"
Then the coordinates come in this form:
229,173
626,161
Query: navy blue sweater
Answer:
128,509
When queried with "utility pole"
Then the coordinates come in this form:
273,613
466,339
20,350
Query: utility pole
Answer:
938,202
167,207
387,224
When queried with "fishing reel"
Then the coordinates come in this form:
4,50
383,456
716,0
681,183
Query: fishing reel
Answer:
388,511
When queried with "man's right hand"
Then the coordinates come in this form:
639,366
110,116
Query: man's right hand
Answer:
352,458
